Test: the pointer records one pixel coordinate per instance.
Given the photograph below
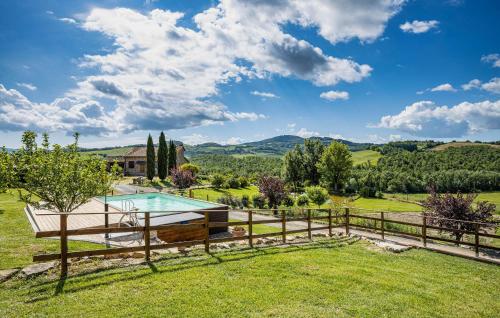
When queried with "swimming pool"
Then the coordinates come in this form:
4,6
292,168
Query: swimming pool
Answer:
151,202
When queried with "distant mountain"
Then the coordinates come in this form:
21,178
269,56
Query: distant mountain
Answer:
275,146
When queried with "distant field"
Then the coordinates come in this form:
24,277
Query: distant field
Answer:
363,156
462,144
110,152
378,204
213,194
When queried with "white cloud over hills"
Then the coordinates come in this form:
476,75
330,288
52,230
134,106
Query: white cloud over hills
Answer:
163,75
426,119
419,26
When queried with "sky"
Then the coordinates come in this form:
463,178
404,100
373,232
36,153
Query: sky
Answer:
234,71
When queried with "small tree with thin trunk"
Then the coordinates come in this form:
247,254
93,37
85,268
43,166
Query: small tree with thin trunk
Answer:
6,170
60,178
182,179
445,209
317,195
335,165
162,157
273,189
150,159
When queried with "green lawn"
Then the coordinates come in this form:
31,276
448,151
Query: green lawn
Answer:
363,156
259,228
493,197
320,280
17,239
214,194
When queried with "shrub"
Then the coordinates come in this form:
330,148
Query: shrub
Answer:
302,200
258,201
190,167
288,201
182,178
317,195
218,180
230,200
233,182
245,200
243,182
273,189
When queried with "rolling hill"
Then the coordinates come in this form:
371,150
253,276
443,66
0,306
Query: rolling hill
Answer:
464,144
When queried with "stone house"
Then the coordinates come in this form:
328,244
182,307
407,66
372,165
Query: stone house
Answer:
133,162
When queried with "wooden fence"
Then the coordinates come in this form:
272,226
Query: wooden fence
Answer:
328,221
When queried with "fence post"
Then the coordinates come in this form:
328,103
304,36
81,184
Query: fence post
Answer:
190,193
346,221
382,226
207,233
309,224
64,244
476,239
207,198
147,236
330,222
283,226
424,229
250,230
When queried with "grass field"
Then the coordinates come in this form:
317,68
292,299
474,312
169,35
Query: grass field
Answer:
17,239
462,144
214,194
323,279
363,156
493,197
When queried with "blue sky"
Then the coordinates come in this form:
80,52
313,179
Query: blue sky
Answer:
237,71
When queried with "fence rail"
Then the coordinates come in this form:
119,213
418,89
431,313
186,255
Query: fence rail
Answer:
346,220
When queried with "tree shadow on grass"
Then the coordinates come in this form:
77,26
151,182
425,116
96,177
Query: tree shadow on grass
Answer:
105,276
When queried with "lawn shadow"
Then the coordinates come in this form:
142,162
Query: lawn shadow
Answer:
102,276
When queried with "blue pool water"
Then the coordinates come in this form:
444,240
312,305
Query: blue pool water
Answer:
150,202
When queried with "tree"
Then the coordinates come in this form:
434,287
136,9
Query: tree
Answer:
162,157
218,180
182,179
150,159
317,195
273,189
191,167
335,165
293,167
172,156
6,170
60,178
445,208
313,151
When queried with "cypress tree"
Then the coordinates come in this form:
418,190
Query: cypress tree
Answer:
150,159
172,156
162,157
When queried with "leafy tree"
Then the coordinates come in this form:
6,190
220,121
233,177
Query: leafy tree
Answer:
273,189
317,195
218,180
313,151
445,207
182,179
60,178
233,182
335,165
162,157
293,167
150,159
288,201
190,167
172,156
6,170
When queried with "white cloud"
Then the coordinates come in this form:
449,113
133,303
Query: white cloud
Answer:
395,137
336,136
164,75
68,20
29,86
195,139
304,133
493,86
333,95
447,87
426,119
376,139
418,26
475,83
494,59
264,94
234,141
